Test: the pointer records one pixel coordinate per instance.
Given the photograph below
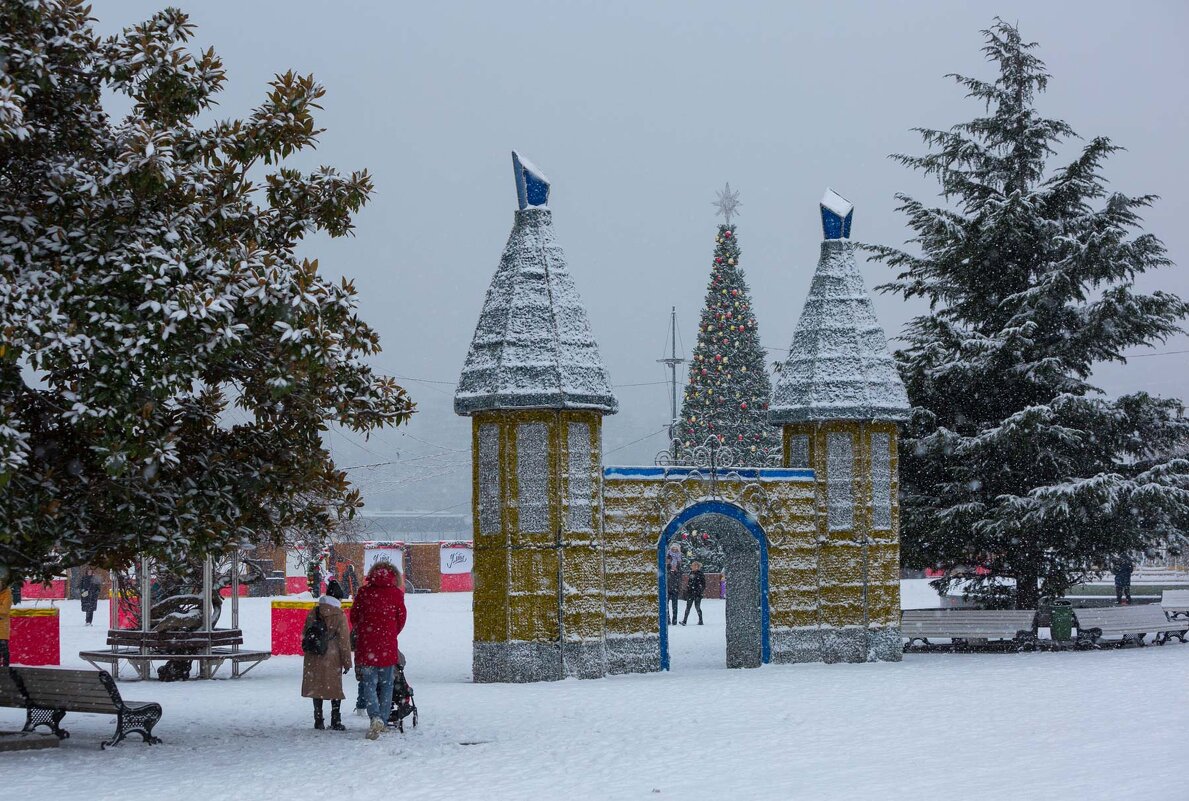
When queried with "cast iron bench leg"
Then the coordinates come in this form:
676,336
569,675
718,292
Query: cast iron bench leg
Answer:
136,721
50,718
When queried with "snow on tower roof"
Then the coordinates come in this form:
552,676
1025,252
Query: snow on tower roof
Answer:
839,367
533,348
837,213
532,187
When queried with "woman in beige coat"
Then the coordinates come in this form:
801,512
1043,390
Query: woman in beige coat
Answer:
322,674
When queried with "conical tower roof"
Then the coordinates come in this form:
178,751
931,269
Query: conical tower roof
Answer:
533,348
838,367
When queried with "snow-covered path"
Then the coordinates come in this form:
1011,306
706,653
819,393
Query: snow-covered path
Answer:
1057,726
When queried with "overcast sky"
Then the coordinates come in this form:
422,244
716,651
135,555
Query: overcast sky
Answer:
639,112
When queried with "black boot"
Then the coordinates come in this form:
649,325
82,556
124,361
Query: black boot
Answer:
336,717
318,723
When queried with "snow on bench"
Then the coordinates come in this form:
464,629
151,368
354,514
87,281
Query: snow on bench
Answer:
964,627
1175,603
1126,623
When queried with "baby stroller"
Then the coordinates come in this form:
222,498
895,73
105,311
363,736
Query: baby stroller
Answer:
403,704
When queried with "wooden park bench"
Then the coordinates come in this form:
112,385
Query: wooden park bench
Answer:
47,694
969,627
1175,603
13,695
210,649
1127,623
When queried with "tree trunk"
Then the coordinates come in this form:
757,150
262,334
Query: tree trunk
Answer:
1027,589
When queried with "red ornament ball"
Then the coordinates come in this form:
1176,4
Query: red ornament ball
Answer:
727,234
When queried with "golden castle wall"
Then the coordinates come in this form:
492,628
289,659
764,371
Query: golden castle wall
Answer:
572,602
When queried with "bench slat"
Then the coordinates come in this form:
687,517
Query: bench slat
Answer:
1175,600
966,623
10,692
1124,621
71,690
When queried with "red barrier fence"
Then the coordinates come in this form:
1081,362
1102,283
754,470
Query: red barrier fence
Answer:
288,619
54,591
35,637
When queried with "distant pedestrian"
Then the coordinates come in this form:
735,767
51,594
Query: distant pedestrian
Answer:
350,581
695,588
88,592
377,616
1122,568
322,674
673,579
5,615
314,579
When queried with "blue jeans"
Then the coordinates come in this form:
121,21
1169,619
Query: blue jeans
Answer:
376,688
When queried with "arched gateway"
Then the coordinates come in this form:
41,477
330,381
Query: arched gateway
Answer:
568,554
746,552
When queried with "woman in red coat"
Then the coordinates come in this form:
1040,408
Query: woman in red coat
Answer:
377,617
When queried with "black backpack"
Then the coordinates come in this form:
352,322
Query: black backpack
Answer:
315,638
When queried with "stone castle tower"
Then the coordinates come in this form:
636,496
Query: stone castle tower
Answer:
569,556
536,391
839,400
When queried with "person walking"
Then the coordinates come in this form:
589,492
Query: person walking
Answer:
322,674
695,588
314,579
350,581
1122,568
5,615
88,593
673,579
378,616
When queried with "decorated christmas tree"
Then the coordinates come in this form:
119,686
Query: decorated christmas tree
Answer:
727,394
699,543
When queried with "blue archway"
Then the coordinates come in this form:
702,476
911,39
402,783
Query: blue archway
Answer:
752,526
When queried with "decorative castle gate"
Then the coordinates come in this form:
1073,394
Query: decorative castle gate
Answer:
569,557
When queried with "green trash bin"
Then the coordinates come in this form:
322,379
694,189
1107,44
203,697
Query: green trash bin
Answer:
1061,621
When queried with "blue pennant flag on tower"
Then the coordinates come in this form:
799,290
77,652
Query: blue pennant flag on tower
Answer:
837,212
532,187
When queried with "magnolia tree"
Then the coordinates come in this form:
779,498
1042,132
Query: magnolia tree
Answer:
1017,474
150,281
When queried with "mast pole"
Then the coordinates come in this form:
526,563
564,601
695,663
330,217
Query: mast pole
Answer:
672,361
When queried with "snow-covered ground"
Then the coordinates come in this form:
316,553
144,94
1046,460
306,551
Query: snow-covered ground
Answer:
1108,724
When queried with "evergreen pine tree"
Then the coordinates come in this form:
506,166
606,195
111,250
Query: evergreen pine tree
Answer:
1014,461
728,389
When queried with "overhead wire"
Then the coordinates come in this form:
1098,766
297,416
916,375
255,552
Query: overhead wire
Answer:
660,430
